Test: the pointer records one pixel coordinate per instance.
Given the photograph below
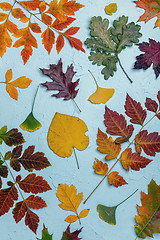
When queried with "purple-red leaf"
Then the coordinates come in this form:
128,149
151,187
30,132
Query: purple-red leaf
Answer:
35,202
71,236
3,171
151,105
151,56
61,81
16,153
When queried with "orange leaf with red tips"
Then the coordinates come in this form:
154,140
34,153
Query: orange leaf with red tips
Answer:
48,39
76,43
149,142
71,31
46,19
100,167
151,8
32,4
31,220
35,27
59,43
59,25
107,145
135,111
35,202
115,179
3,16
33,184
133,160
5,6
18,13
117,125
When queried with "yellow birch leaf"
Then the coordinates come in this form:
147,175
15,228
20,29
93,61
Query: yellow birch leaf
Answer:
84,213
71,219
12,91
65,133
21,82
111,8
9,75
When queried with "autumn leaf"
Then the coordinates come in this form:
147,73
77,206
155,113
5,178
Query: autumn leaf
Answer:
133,160
31,4
148,220
152,105
31,220
100,167
11,137
150,56
60,25
48,39
65,133
117,125
149,142
151,8
115,179
19,14
107,145
19,211
45,234
71,201
111,8
68,235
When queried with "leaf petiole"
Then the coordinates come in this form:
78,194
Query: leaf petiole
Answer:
124,70
76,157
93,78
127,198
34,99
76,105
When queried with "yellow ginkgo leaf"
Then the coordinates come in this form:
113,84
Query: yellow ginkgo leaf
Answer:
101,95
111,8
65,133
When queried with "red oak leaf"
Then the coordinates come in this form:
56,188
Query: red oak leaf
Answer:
61,81
151,56
67,235
117,125
135,111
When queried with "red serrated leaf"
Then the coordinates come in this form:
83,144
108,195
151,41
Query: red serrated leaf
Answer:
48,39
7,197
60,25
13,137
115,179
117,125
71,236
100,167
135,111
31,220
16,153
151,105
71,31
76,43
11,27
32,4
35,202
34,184
35,27
46,19
149,142
59,43
133,160
19,211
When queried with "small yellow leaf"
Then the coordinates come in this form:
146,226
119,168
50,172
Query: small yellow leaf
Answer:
21,82
12,91
71,218
65,133
101,95
9,75
111,8
84,213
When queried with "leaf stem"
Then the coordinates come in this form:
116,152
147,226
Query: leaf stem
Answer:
34,99
76,104
124,71
93,78
76,157
127,197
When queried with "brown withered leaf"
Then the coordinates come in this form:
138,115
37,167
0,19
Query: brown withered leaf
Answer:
12,137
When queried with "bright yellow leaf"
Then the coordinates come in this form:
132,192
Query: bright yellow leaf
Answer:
84,213
12,91
71,218
9,75
21,82
65,133
111,8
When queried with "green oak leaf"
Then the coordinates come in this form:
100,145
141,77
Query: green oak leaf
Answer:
45,234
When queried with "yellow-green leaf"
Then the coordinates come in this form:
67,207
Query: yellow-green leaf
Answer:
30,123
111,8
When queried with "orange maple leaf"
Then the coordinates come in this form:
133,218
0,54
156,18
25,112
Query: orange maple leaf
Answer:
152,9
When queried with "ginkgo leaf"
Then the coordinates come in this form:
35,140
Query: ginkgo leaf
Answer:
107,145
11,137
149,142
148,220
135,111
151,8
71,201
100,167
30,124
117,125
45,234
65,133
115,179
68,235
111,8
133,160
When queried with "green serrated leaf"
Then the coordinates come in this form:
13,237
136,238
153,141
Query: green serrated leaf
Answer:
107,214
110,66
3,130
96,44
45,234
118,28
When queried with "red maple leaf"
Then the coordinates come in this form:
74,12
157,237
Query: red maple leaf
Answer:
151,56
71,236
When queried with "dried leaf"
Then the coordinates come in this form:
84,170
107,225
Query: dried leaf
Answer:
115,179
19,211
67,235
59,43
111,8
3,171
65,133
76,43
100,167
35,202
151,105
148,220
12,137
31,220
60,25
107,145
45,234
5,6
31,4
18,13
48,39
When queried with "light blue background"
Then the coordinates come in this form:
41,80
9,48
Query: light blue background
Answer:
63,171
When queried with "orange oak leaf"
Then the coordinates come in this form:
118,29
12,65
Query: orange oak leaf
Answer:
60,25
48,39
107,145
32,183
151,8
59,43
31,4
5,6
135,111
149,142
19,14
133,160
7,198
115,179
21,82
31,220
35,202
117,125
100,167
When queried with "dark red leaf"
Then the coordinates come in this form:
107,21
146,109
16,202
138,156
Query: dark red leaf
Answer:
117,125
7,197
31,220
151,55
35,202
16,153
67,235
19,211
34,184
3,171
135,111
12,137
0,183
158,97
151,105
61,81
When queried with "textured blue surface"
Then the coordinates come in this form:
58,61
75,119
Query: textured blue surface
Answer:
63,171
